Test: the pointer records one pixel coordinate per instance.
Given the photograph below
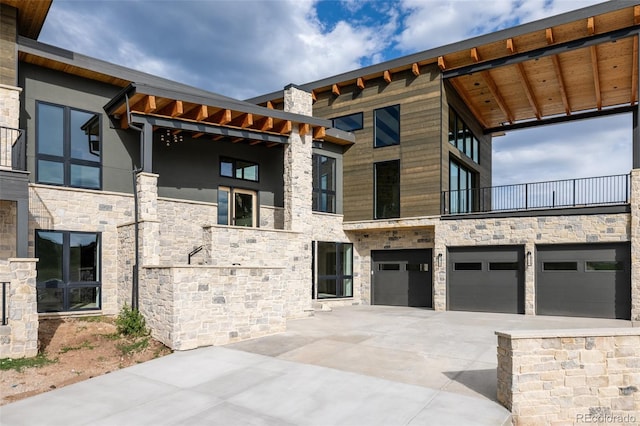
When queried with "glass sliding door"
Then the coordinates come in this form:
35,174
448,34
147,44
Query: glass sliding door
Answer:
237,207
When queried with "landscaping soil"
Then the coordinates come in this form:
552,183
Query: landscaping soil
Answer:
80,348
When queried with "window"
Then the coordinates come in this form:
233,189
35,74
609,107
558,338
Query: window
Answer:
560,266
387,189
462,138
604,265
467,266
324,184
461,192
237,207
504,266
68,147
386,126
348,123
334,270
68,273
238,169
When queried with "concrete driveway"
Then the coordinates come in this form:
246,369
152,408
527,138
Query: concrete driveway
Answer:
360,365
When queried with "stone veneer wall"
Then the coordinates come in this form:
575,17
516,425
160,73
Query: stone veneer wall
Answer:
526,231
19,338
72,209
565,377
193,306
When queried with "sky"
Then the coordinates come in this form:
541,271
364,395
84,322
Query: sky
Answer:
245,48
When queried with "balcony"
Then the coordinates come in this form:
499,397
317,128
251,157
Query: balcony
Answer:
558,194
12,149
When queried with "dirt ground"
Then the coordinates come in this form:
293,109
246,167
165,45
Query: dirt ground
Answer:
81,348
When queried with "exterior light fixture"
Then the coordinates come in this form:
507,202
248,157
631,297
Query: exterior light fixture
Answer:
169,137
528,258
439,260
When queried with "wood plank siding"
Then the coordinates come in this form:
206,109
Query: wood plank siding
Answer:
423,151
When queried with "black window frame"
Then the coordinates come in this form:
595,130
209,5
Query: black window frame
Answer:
235,168
458,133
66,159
459,201
335,122
318,192
375,127
395,213
339,275
66,284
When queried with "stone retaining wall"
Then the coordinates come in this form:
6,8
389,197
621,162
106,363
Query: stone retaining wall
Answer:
189,307
566,377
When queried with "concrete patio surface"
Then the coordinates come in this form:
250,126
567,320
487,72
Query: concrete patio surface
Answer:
360,365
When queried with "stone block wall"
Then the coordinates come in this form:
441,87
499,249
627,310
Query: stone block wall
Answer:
189,307
72,209
567,377
19,338
526,231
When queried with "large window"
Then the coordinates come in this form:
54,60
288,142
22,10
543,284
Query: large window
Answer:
239,169
387,189
68,146
462,138
348,123
461,184
237,207
324,184
386,126
334,270
68,272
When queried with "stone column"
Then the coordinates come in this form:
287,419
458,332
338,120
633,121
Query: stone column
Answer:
440,266
635,245
149,225
20,338
298,188
530,279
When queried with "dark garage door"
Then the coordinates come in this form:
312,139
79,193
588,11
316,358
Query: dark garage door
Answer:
584,280
486,279
402,278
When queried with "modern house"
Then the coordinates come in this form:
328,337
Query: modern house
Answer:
220,219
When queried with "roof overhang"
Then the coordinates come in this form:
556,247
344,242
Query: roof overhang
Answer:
579,64
31,15
216,117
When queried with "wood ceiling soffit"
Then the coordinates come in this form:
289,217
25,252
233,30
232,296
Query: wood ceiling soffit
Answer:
470,105
493,88
524,81
221,117
264,124
634,73
559,76
360,83
243,120
387,76
303,129
591,28
335,89
415,69
284,127
636,15
319,132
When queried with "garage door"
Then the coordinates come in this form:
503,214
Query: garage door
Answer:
486,279
586,280
402,278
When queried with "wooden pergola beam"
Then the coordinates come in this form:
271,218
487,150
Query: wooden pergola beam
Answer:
269,104
415,69
146,105
387,76
221,117
236,140
335,89
636,15
559,76
360,83
243,120
591,28
197,135
284,127
254,142
264,124
197,113
493,88
524,81
217,137
313,95
173,109
441,63
304,129
319,132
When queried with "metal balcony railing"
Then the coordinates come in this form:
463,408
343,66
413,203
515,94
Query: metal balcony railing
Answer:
12,148
603,190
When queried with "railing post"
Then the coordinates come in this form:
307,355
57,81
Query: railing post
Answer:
526,196
4,303
574,192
